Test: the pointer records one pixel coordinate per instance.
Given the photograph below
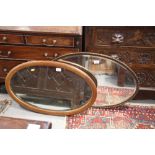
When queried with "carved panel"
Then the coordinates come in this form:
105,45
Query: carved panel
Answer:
125,57
124,36
144,58
146,78
130,55
136,57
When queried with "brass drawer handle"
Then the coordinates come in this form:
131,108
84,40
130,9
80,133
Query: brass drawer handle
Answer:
53,43
3,55
44,41
5,70
55,54
117,38
4,38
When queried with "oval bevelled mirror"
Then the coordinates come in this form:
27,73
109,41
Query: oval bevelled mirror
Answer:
116,82
50,87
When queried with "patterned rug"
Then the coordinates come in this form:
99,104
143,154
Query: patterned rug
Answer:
112,95
122,117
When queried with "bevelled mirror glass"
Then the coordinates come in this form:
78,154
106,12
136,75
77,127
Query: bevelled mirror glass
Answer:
116,82
51,87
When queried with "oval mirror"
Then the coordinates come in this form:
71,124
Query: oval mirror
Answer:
51,87
116,82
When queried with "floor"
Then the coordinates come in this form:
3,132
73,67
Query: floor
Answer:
16,111
58,122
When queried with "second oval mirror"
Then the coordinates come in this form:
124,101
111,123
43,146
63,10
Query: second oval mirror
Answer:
117,83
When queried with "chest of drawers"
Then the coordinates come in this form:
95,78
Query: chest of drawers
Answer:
133,45
21,44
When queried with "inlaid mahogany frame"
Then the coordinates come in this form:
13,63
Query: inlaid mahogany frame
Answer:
66,66
122,64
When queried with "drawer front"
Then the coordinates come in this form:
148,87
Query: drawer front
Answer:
146,77
6,66
131,36
50,41
33,53
130,55
11,39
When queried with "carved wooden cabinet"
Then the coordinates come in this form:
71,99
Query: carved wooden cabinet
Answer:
19,44
133,45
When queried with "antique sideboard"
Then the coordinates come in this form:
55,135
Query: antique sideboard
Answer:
133,45
19,44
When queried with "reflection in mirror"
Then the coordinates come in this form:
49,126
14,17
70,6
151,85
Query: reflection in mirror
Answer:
83,69
50,88
116,82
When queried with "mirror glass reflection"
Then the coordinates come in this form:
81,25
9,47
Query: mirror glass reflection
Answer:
50,88
115,82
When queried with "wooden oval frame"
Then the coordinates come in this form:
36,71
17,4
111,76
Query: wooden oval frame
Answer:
66,66
60,58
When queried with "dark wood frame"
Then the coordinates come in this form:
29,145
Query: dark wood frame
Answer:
114,60
71,68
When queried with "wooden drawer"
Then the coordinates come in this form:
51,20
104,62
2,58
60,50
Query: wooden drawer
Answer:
130,55
123,36
146,76
33,53
50,41
11,39
7,65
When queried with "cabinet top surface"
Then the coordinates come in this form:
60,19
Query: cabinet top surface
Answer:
54,29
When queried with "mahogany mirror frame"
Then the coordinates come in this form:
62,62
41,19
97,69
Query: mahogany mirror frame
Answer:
56,64
60,58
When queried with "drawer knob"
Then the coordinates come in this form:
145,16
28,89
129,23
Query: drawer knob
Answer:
56,54
44,41
9,52
4,38
54,42
45,54
5,69
117,38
